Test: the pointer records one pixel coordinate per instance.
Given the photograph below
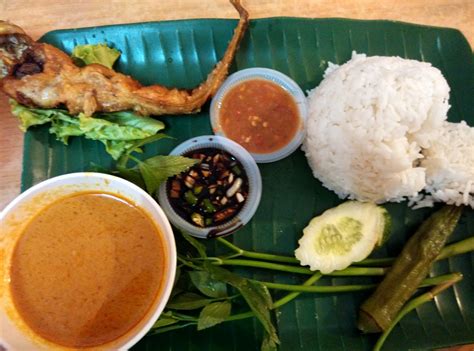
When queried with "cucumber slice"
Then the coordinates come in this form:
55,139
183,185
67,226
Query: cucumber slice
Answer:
342,235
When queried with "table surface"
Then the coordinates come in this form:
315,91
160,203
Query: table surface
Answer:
37,17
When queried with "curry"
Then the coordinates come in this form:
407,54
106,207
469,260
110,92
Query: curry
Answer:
87,269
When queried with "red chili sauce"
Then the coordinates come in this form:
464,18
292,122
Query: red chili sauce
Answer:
260,115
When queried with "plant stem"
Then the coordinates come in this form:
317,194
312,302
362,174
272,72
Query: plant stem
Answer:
185,262
258,255
277,304
440,279
319,288
293,295
458,248
230,245
349,288
450,250
134,159
384,262
414,303
171,327
184,317
350,271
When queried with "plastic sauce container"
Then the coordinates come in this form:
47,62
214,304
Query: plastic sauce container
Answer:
263,110
253,189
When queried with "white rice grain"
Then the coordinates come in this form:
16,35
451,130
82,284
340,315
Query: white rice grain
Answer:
369,120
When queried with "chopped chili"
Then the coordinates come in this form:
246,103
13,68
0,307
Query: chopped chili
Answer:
211,192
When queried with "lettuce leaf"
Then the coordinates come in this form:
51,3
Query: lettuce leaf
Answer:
118,131
95,53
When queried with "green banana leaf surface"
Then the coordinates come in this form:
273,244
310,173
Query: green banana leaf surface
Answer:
181,54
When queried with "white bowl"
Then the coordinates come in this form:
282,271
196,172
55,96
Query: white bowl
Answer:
255,188
14,333
287,84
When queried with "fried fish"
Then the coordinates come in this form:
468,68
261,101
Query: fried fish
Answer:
40,75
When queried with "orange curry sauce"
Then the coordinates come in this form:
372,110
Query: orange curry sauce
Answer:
87,269
259,115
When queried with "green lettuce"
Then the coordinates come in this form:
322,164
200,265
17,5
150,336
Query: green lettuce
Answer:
95,53
118,131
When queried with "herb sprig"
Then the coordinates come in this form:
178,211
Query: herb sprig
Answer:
150,173
201,296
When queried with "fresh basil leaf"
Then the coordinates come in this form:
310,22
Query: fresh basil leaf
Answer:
169,166
213,314
136,147
96,53
224,275
156,170
132,175
151,178
201,249
255,294
188,301
210,287
259,299
176,291
163,321
177,276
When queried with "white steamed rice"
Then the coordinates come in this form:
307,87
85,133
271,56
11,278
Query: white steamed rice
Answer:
369,121
449,166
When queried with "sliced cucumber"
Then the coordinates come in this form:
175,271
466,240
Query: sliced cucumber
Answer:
342,235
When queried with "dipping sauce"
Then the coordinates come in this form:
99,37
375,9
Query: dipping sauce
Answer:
87,269
211,192
259,115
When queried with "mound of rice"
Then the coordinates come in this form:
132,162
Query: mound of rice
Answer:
449,164
369,121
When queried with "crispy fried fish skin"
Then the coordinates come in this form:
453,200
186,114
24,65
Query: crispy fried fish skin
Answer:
40,75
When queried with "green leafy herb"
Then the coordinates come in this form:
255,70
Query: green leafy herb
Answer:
137,147
95,53
210,287
119,131
150,173
132,175
214,313
165,319
157,169
202,273
255,294
200,248
188,301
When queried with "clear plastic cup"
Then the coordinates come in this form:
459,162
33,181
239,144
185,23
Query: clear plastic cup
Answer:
251,204
284,82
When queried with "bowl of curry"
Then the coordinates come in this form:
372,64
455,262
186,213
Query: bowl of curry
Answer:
263,110
89,262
